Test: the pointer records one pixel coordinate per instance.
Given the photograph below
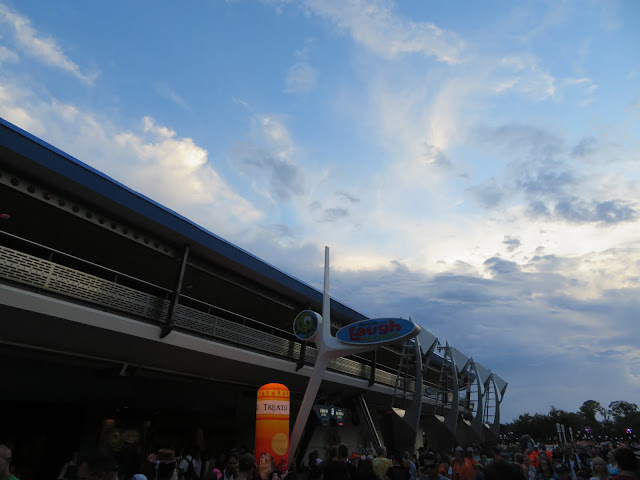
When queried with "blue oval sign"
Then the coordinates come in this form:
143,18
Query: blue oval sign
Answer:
377,330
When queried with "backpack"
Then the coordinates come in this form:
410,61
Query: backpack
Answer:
189,473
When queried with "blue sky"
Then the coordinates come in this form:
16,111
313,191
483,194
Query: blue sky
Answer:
473,165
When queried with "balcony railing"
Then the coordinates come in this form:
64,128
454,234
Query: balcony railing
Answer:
103,288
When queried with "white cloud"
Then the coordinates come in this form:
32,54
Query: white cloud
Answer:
584,88
150,158
7,55
165,91
44,49
16,111
301,78
523,74
375,25
303,53
176,171
268,157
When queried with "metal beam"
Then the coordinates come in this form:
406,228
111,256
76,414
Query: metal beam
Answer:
301,358
374,362
175,296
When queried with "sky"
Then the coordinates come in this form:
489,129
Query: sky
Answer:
472,165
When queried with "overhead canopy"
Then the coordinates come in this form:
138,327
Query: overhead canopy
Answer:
426,339
500,383
483,372
460,358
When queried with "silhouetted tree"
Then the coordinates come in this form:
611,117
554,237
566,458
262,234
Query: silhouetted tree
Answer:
621,411
589,410
619,416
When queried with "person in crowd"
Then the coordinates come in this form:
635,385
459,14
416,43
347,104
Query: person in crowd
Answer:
556,457
365,471
354,459
546,451
533,457
190,466
479,471
5,463
585,459
431,468
211,472
163,465
97,465
613,464
477,454
503,471
599,469
445,466
381,463
397,471
231,468
574,464
316,474
562,471
531,470
409,463
546,469
314,459
421,454
341,455
469,456
70,469
627,464
279,471
246,467
209,463
336,466
461,467
496,454
222,460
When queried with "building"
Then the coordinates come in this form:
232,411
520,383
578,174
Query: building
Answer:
126,325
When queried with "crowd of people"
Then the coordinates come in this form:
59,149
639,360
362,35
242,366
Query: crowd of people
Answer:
572,462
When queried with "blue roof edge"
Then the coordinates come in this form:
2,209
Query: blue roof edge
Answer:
52,158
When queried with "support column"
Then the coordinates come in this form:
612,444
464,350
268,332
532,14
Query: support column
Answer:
175,297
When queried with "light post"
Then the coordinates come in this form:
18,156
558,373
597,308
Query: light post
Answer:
310,326
559,433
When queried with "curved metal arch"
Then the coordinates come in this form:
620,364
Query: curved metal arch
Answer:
448,371
476,423
409,388
495,390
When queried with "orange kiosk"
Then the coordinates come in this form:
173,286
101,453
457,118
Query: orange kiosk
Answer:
272,427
